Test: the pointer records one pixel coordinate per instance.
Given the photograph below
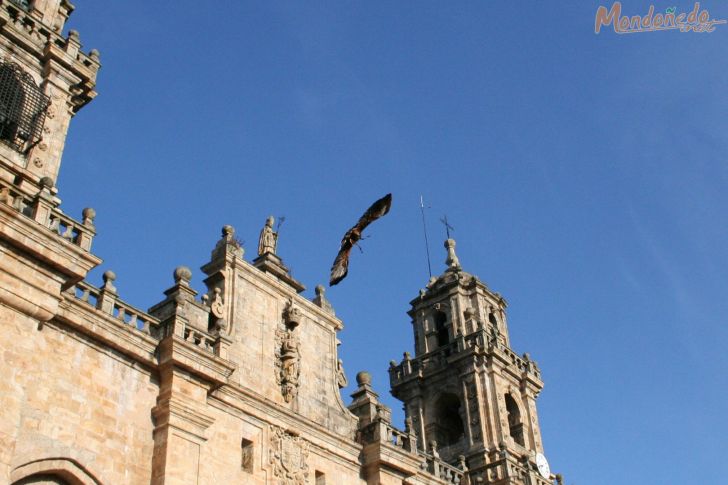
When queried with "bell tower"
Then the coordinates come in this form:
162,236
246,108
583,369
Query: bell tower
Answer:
45,79
466,393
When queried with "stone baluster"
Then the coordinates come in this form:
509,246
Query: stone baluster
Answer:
43,202
108,294
86,237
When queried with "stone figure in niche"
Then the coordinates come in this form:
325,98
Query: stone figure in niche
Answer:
268,240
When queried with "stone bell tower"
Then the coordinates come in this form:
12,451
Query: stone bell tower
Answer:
466,393
44,80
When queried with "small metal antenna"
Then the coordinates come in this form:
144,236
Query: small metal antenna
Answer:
424,228
448,227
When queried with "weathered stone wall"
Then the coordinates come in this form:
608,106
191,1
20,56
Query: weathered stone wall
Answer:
63,395
258,308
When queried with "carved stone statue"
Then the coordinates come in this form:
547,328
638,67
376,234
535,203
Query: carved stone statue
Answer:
290,366
268,240
341,379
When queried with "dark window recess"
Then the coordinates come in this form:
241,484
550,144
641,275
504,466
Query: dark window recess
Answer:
22,108
449,427
515,424
443,337
492,320
320,478
247,456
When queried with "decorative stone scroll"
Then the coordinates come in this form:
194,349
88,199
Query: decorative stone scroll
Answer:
288,455
288,354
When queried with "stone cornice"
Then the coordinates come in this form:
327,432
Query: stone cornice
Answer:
233,396
86,319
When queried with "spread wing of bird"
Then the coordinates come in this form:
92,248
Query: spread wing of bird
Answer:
340,268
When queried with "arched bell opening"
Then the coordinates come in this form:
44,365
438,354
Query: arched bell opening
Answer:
515,424
448,428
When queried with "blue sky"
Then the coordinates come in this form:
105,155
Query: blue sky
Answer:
584,175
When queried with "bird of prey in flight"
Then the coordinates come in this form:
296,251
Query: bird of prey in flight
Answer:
341,264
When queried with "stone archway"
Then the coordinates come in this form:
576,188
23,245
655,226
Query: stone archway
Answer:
42,479
52,471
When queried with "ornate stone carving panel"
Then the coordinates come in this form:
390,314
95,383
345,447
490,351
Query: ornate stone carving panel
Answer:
288,354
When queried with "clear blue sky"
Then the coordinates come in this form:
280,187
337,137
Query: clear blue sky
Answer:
585,176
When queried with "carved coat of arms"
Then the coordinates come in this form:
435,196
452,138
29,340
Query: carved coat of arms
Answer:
288,456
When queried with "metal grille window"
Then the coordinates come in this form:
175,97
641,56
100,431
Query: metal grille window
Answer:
24,4
22,108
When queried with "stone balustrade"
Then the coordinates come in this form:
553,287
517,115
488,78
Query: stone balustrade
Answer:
478,341
12,197
508,466
200,339
79,233
380,430
442,470
106,301
42,209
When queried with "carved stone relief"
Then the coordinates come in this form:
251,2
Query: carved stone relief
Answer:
288,353
288,455
472,390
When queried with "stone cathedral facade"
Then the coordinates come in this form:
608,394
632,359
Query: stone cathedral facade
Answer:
239,383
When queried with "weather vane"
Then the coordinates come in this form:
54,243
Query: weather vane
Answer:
448,227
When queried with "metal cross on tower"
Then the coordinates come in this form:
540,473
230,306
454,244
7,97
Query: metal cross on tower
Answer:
448,227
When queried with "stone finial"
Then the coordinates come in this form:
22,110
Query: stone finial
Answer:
452,261
364,378
88,214
109,277
320,299
46,183
73,35
228,243
182,275
95,55
433,449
